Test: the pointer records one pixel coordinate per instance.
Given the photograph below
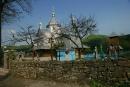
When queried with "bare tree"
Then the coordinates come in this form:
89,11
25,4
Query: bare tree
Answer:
25,35
55,43
79,28
82,26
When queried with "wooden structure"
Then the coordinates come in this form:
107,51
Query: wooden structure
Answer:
113,46
113,40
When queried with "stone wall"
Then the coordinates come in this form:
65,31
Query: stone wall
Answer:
107,71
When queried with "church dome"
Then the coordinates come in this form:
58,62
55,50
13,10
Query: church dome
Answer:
53,21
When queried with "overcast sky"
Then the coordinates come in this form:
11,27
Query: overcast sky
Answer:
110,15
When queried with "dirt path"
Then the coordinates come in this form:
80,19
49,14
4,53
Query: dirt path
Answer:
35,83
17,82
9,81
3,73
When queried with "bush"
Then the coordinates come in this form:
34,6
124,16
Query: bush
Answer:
94,83
11,55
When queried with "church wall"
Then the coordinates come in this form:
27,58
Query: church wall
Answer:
63,56
44,53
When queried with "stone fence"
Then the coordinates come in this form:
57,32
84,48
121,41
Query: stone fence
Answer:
108,71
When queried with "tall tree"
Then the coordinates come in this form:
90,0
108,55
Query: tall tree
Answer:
11,10
79,28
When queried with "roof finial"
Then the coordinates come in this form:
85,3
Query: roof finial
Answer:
53,12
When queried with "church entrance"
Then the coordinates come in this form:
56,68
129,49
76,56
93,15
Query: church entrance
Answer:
64,55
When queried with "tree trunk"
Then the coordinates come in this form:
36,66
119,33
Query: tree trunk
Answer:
0,32
51,55
1,23
56,55
51,51
33,54
1,10
33,51
80,50
79,54
59,55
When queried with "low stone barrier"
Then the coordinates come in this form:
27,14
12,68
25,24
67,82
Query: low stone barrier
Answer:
108,71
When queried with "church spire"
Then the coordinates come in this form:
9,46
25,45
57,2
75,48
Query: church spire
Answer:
39,29
53,12
53,21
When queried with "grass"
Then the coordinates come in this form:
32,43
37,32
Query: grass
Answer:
95,83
